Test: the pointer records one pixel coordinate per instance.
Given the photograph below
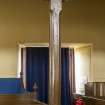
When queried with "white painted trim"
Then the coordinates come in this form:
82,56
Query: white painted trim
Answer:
19,62
64,45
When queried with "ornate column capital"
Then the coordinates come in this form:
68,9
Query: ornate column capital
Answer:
56,5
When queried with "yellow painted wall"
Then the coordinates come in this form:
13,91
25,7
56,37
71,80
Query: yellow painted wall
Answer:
8,61
98,65
28,21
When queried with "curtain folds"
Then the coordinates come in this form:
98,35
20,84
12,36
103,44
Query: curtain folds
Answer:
72,73
37,73
65,83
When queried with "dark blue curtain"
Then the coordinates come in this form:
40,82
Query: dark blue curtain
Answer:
65,83
37,71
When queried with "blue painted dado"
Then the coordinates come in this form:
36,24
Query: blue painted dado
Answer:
10,85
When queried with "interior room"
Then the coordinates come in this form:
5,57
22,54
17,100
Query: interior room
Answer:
25,23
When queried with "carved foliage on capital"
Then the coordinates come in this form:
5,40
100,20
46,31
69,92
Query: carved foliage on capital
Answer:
56,5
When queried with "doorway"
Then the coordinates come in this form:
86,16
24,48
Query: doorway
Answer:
34,66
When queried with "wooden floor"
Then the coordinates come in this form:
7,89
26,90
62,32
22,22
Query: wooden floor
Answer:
18,99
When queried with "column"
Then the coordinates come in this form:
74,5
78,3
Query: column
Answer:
54,54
